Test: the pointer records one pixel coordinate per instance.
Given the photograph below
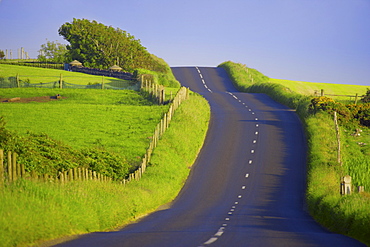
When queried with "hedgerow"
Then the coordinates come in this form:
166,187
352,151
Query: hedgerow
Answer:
44,155
351,114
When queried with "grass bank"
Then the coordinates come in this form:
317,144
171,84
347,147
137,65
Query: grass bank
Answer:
348,214
165,77
30,212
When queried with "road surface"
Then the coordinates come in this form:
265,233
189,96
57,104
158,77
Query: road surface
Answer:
247,185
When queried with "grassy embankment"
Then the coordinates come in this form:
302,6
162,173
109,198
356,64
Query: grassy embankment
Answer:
350,214
32,211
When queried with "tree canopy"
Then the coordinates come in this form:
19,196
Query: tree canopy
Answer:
100,46
2,54
53,51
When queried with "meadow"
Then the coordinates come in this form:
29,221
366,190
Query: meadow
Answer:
42,75
310,88
119,121
349,214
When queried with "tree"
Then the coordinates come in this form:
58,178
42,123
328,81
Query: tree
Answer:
2,54
100,46
53,51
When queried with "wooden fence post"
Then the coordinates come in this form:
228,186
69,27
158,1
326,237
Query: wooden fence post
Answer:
75,173
61,81
356,98
102,82
17,78
66,177
23,171
61,178
338,138
322,92
1,167
70,175
15,167
163,96
10,172
165,121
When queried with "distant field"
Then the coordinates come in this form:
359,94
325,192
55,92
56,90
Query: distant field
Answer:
42,75
309,88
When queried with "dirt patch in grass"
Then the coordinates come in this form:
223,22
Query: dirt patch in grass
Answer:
31,99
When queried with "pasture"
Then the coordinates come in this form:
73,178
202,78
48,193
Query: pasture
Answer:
120,121
32,212
41,75
309,88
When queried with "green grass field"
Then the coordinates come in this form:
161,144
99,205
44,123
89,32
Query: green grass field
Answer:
116,120
32,212
42,75
309,88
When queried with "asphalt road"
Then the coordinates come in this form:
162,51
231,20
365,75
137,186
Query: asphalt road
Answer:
247,186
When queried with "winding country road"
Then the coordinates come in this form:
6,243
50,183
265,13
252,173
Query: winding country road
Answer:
247,186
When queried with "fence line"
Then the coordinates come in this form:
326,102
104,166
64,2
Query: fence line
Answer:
46,65
66,66
322,93
160,129
17,82
11,171
153,90
91,71
338,138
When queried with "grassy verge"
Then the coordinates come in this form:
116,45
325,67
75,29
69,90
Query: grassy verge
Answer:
347,215
31,212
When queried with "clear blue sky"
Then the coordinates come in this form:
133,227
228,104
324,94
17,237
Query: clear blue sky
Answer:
307,40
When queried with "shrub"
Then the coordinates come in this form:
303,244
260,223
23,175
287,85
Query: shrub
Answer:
320,103
43,155
366,98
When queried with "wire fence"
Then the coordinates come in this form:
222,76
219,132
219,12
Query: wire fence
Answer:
47,65
60,82
66,66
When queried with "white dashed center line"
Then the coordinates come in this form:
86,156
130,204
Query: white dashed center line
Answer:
243,187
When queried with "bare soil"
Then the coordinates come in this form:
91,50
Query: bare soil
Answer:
31,99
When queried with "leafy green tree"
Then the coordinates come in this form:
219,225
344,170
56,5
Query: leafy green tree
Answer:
53,51
100,46
2,54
